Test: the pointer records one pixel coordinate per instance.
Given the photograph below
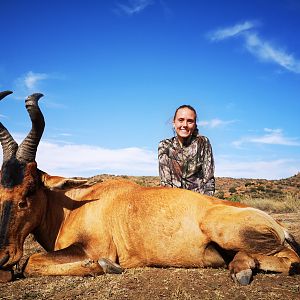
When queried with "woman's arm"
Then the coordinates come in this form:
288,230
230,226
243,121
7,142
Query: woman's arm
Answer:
164,164
208,170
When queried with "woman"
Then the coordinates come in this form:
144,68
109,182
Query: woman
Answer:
186,160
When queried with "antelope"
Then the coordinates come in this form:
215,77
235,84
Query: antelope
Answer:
109,226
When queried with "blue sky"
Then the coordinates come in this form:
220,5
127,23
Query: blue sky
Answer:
113,73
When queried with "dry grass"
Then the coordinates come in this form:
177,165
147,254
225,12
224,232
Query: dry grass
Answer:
289,203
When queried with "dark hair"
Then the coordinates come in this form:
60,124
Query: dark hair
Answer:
185,106
195,132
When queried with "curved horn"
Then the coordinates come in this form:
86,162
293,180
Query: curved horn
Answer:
9,145
27,150
4,94
4,260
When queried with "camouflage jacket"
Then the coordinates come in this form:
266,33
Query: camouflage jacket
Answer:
189,167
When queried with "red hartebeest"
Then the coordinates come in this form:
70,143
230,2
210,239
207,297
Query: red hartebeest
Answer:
118,224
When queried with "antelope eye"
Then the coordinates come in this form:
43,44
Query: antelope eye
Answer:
22,204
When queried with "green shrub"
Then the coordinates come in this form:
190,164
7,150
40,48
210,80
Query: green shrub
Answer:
232,190
220,195
235,198
260,188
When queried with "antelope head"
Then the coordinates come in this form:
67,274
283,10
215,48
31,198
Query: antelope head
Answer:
20,207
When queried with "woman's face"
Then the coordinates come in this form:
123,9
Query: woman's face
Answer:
184,123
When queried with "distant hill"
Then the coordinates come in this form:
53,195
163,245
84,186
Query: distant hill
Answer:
258,188
227,187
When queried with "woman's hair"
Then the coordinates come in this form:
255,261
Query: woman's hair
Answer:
195,132
186,106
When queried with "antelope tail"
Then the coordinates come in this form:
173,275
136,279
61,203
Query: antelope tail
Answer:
292,242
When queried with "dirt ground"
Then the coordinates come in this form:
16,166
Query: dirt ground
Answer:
158,283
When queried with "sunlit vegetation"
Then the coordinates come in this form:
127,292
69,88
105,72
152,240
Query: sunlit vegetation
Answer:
269,195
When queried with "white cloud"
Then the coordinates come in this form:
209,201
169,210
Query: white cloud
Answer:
134,6
272,137
266,52
232,31
215,123
32,82
32,79
65,134
85,160
28,83
267,169
258,47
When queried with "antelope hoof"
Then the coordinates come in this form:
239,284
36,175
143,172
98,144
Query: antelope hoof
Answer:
109,267
243,277
295,268
6,276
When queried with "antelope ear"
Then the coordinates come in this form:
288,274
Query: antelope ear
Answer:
57,183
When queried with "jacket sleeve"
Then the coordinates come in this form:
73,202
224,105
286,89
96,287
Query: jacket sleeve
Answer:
164,165
208,170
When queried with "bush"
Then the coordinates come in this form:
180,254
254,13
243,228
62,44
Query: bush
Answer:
260,188
220,195
235,198
232,190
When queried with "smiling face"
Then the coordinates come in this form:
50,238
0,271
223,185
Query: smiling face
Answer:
184,123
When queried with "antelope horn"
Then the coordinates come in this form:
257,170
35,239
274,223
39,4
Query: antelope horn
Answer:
4,94
27,150
4,260
9,145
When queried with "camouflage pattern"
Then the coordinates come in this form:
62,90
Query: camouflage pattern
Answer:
190,166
